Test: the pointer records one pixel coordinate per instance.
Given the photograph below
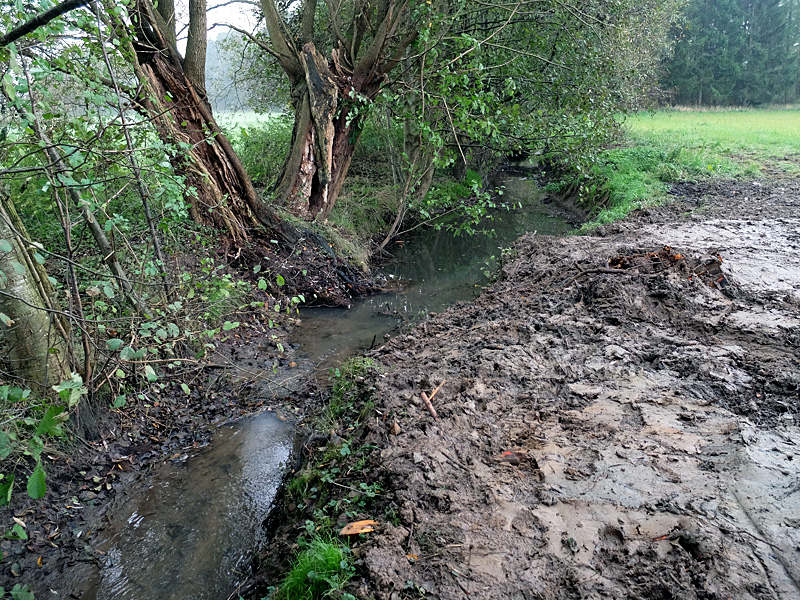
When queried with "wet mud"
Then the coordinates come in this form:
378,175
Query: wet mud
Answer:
618,417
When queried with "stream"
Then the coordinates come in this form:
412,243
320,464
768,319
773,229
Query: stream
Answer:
191,531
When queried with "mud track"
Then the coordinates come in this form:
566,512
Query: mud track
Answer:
619,419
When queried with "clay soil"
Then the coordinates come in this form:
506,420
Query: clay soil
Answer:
619,418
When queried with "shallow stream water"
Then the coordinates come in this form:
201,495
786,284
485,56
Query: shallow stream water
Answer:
190,533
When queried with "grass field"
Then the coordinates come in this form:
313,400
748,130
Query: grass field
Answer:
242,119
765,134
670,146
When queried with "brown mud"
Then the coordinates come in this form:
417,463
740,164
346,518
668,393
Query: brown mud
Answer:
619,418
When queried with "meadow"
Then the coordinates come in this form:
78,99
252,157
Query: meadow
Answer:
661,148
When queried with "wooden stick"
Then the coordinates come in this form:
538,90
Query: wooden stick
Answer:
430,406
437,389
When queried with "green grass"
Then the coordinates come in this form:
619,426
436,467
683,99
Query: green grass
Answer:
671,146
236,119
324,566
762,134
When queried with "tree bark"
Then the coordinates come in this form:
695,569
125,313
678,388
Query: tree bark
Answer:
331,96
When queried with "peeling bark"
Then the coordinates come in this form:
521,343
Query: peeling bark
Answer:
332,96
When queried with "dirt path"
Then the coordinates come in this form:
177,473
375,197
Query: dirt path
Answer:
605,432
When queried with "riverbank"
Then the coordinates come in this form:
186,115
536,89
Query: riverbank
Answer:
616,417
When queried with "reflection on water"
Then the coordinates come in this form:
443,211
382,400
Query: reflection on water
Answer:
192,532
433,270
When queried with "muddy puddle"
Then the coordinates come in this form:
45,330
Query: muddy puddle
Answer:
189,531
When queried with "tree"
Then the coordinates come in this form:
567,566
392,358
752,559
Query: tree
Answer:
33,330
334,72
494,76
736,52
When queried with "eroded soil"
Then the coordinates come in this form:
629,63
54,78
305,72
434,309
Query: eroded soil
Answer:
619,419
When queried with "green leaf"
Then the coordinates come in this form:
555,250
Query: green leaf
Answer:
120,373
71,390
256,269
6,319
51,422
6,487
119,401
18,267
5,246
114,344
39,258
150,374
280,280
108,291
37,487
127,353
262,284
186,389
6,446
21,592
17,533
228,325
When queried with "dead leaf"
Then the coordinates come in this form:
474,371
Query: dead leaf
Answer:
513,457
357,527
395,430
39,562
20,522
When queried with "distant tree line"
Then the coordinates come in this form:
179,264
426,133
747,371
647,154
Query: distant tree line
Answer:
737,52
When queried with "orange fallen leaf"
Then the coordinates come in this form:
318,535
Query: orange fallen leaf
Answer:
39,562
357,527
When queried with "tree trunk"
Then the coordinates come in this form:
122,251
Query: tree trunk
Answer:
33,335
223,195
332,96
330,109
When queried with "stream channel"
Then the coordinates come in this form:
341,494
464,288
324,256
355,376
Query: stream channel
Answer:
190,531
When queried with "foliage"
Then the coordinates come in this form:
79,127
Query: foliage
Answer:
333,483
29,425
262,148
324,565
345,383
18,592
736,52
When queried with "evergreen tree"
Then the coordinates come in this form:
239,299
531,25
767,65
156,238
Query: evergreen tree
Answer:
736,52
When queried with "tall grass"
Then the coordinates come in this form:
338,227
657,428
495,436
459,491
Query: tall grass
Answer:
669,146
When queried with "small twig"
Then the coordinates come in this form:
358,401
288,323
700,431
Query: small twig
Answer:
433,393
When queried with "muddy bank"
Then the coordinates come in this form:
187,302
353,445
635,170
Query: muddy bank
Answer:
618,419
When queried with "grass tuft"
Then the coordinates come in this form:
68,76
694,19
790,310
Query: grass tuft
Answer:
322,568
